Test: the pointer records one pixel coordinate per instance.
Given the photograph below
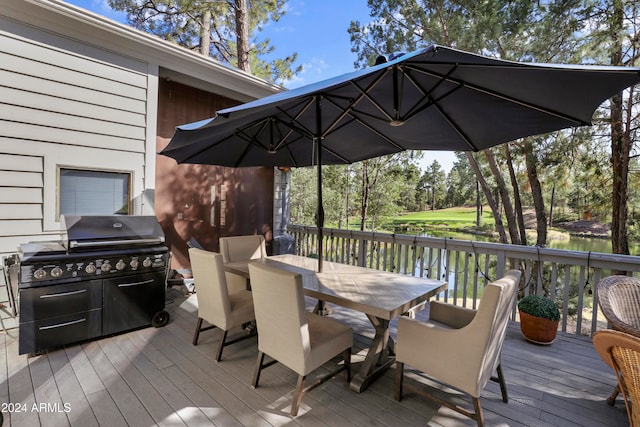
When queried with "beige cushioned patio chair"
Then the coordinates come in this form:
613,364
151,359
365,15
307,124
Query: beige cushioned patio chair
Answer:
619,300
241,248
215,304
621,351
457,346
300,340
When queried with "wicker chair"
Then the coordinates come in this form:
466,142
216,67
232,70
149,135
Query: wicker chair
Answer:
622,352
619,299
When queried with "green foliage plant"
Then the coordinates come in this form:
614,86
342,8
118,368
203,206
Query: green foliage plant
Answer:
539,306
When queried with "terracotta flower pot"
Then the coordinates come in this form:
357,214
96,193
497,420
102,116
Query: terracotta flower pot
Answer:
538,330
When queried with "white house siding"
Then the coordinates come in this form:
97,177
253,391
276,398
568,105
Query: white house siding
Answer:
65,103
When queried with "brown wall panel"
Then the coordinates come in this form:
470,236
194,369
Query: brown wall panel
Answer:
199,201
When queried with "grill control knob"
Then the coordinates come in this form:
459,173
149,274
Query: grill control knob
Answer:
90,269
105,267
134,264
120,265
56,272
147,262
39,274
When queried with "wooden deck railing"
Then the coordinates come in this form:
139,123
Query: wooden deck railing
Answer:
570,277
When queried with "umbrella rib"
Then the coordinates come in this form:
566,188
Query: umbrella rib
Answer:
426,101
350,111
457,128
284,137
352,103
354,113
365,94
242,134
294,120
294,125
202,150
498,95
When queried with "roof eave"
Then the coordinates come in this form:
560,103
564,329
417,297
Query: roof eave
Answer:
77,23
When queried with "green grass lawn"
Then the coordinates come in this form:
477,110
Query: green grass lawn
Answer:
445,221
460,217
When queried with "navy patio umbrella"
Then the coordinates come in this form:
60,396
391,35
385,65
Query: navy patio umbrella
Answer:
437,98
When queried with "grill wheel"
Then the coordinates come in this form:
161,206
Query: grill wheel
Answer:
160,319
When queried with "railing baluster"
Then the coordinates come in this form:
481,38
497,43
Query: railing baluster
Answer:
594,304
565,304
476,274
581,284
465,282
456,278
445,274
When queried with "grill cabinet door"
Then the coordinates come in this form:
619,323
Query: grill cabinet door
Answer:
51,316
130,302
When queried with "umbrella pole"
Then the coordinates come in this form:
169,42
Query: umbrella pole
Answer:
320,208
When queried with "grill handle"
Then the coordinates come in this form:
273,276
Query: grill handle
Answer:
92,244
125,285
64,294
61,325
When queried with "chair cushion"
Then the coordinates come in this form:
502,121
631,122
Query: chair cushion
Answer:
463,357
241,308
242,248
328,338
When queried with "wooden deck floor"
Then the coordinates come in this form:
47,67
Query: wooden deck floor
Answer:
154,377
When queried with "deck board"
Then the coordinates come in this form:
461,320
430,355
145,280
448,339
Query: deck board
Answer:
71,392
157,377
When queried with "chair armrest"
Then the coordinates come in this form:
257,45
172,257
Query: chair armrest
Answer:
618,324
450,315
453,356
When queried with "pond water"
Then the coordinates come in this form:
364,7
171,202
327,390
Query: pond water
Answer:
584,244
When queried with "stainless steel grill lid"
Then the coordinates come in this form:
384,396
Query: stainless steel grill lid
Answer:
100,232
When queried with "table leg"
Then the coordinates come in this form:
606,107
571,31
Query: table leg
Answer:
379,357
322,309
319,308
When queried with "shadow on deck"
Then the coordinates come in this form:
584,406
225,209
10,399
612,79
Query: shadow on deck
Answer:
157,377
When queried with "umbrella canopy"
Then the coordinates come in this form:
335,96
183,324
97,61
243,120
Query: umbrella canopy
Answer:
436,98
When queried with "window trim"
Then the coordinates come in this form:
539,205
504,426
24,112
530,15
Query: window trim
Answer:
59,168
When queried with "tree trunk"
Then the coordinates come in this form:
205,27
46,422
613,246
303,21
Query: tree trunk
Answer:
205,35
516,196
364,204
242,30
536,192
487,193
553,200
346,196
504,195
478,205
620,148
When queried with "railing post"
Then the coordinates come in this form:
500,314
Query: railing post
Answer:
500,268
362,251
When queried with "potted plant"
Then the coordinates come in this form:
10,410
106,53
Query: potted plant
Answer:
539,317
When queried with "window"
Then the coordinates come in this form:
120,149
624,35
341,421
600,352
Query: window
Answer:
84,192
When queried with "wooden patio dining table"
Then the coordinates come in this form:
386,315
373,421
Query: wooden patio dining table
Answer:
380,295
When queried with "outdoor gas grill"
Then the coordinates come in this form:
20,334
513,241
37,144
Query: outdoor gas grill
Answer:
107,276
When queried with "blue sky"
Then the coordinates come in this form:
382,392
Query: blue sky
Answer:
317,31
